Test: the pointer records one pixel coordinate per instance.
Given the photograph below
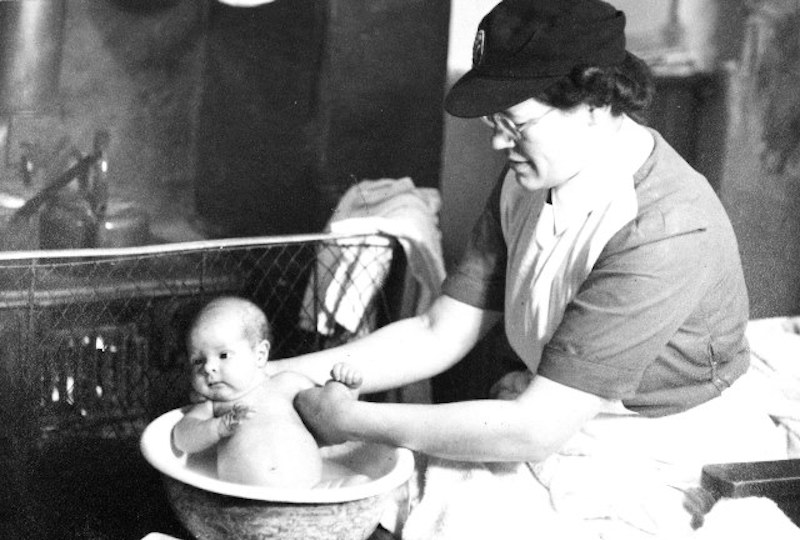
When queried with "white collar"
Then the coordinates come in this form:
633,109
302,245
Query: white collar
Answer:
592,188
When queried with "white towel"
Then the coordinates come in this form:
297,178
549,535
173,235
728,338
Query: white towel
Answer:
622,477
349,275
775,359
746,518
478,501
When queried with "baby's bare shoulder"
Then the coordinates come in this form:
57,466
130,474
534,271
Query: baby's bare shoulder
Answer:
291,381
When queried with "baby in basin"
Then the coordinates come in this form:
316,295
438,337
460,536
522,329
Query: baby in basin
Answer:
246,414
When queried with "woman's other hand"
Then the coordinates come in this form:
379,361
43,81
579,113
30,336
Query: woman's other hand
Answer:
512,385
792,325
325,410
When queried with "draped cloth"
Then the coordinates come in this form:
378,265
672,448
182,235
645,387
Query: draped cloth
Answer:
350,272
621,477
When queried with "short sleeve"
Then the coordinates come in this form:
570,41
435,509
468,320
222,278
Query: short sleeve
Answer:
480,276
630,307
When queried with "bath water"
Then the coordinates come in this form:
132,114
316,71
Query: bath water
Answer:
334,473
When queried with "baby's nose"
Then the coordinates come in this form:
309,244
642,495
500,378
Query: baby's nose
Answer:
210,366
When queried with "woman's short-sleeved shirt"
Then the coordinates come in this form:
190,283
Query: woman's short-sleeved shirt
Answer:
659,322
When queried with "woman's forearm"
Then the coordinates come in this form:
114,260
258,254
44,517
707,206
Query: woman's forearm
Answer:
486,430
393,356
403,352
528,428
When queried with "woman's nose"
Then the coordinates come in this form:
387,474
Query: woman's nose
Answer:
501,141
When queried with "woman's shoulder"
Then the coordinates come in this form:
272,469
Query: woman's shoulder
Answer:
666,177
672,197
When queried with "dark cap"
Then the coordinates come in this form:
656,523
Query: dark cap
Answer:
524,46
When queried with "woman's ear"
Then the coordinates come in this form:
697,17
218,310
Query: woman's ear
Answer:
598,115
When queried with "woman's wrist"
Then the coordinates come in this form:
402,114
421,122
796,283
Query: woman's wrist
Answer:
346,419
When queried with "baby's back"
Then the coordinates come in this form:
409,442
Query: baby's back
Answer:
272,447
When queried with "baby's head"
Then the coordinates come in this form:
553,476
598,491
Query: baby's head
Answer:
228,347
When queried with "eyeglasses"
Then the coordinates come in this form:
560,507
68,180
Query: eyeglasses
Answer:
508,127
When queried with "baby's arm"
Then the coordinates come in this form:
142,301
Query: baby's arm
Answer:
199,429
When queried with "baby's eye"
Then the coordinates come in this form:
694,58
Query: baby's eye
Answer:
223,355
196,361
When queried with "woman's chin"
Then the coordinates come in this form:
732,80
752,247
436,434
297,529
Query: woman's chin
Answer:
527,176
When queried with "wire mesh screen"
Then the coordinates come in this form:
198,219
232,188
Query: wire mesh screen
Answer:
92,344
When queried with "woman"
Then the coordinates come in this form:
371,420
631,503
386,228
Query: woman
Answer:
617,276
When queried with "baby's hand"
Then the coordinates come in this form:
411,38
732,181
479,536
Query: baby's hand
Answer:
347,375
229,422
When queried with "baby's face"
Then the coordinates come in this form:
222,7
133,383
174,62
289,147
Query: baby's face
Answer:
225,364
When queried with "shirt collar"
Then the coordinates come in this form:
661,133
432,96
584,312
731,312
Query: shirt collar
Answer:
591,188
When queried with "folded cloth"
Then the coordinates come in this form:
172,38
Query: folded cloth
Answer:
465,501
748,517
349,274
622,477
774,349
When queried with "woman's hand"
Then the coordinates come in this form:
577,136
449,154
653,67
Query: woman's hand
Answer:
325,411
512,385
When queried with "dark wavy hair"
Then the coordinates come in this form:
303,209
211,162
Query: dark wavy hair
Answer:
627,88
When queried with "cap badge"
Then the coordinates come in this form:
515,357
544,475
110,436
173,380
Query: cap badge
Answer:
478,48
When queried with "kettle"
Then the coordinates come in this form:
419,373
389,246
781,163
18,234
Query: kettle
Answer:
82,216
70,222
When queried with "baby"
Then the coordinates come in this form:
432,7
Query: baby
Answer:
246,414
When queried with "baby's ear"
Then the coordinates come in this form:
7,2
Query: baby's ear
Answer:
263,352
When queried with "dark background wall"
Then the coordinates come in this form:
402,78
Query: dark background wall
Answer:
303,98
242,121
761,175
257,147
